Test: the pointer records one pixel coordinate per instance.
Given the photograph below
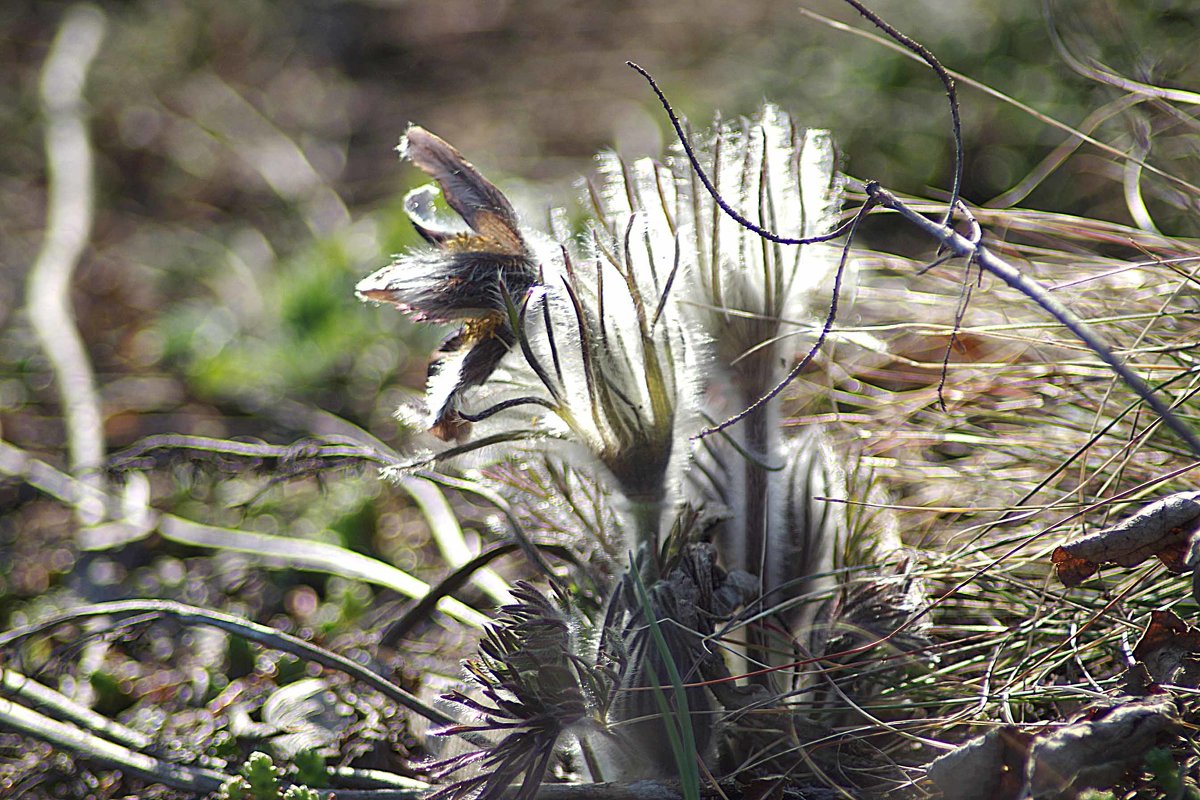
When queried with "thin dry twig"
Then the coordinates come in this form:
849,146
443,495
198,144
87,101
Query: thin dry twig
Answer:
980,254
955,243
68,226
61,734
922,52
133,523
261,634
966,80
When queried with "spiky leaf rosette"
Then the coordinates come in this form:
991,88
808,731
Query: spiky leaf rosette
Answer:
686,605
535,690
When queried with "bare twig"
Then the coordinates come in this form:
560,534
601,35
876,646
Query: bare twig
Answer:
305,457
397,630
944,76
68,226
729,210
980,255
62,708
825,329
530,550
448,535
139,522
966,80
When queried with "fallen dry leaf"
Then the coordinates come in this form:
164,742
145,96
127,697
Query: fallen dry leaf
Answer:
1163,529
1096,752
1168,649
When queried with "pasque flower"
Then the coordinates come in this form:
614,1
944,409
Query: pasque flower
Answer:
610,345
604,363
468,276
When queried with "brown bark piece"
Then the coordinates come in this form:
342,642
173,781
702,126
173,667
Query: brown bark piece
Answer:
1168,649
989,767
1092,753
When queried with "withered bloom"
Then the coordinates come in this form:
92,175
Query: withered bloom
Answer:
468,276
536,690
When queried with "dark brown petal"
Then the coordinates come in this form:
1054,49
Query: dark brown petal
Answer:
475,198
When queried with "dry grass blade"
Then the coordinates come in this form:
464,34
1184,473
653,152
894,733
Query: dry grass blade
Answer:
268,637
188,778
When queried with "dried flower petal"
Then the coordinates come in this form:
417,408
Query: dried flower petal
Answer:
463,276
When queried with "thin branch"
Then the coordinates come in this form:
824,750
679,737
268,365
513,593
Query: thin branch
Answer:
447,533
951,94
530,550
694,160
299,458
70,168
964,300
978,253
269,549
1028,109
825,329
23,720
419,612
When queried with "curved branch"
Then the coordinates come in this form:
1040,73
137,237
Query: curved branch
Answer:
23,720
694,160
69,166
261,634
821,337
951,94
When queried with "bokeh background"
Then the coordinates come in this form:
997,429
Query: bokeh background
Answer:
246,176
246,179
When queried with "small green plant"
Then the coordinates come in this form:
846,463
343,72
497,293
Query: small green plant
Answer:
1169,775
261,779
310,768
